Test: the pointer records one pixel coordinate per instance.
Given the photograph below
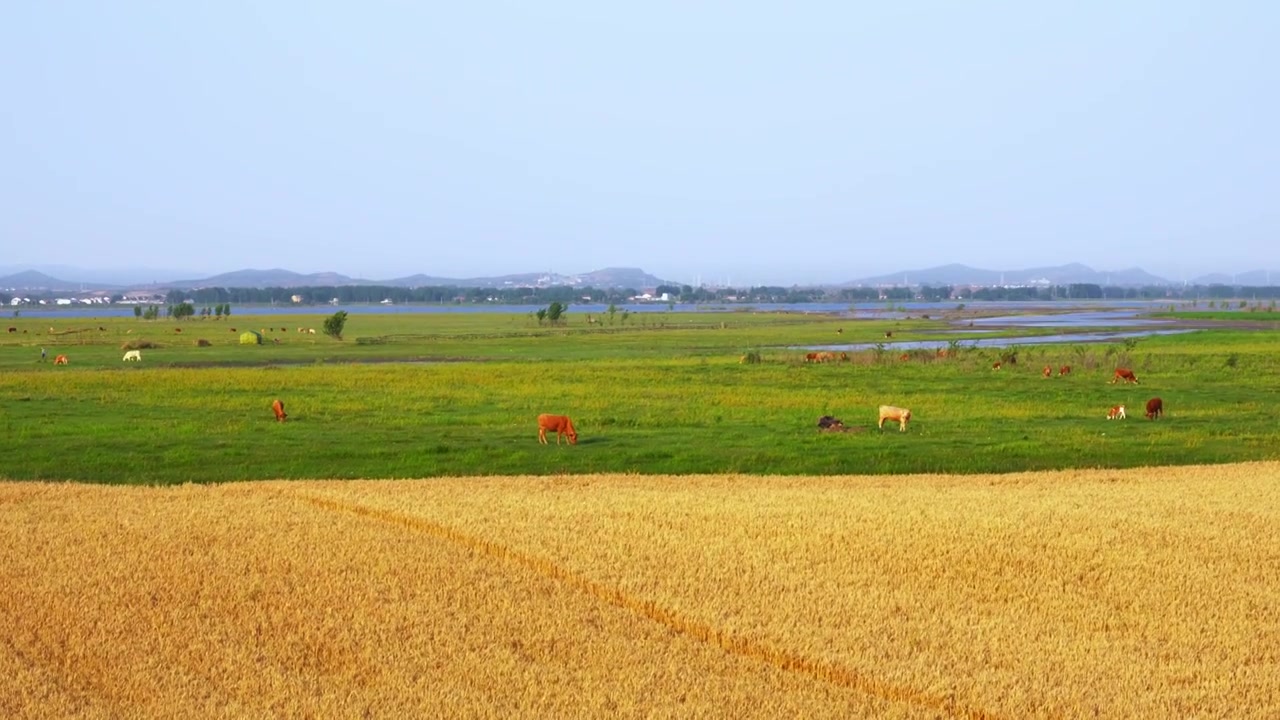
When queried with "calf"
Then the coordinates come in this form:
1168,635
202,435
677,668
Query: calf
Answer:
60,360
889,412
277,407
1124,374
1048,371
1116,413
1155,408
561,424
1064,370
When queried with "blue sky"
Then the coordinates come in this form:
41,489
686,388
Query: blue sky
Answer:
763,143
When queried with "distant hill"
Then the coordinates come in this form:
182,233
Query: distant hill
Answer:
1256,278
956,274
267,278
634,278
33,280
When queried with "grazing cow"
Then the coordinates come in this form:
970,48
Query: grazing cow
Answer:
13,329
888,333
60,360
839,331
889,412
302,330
1064,370
1155,408
905,357
1116,413
561,424
101,329
1125,375
844,357
135,355
177,329
233,329
1048,371
311,331
277,407
995,365
811,357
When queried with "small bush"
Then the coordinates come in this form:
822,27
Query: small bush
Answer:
751,358
139,345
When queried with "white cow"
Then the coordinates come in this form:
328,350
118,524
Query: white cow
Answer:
133,355
889,412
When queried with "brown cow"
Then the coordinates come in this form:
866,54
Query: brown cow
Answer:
233,329
995,365
888,333
1126,375
277,407
1048,371
905,357
1155,408
13,329
177,329
1064,370
811,357
1116,413
60,360
889,412
561,424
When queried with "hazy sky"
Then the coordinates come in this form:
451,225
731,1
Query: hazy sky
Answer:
761,142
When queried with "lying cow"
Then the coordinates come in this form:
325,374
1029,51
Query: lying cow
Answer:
1126,375
1047,372
277,407
1116,413
889,412
832,424
1155,408
561,424
135,355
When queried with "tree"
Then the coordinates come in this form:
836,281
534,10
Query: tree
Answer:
137,311
554,311
541,315
226,311
334,323
217,311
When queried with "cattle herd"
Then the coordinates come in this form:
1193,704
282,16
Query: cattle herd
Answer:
561,425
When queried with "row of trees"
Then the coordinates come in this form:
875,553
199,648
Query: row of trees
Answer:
181,310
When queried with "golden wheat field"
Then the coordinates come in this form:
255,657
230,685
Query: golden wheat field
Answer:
1114,593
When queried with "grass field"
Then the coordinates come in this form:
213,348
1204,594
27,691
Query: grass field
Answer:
437,395
1150,592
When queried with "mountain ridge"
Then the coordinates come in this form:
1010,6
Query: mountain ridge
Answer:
635,278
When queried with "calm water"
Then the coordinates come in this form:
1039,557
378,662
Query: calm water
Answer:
1098,314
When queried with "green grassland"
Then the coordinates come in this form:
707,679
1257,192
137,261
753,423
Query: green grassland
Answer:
424,395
